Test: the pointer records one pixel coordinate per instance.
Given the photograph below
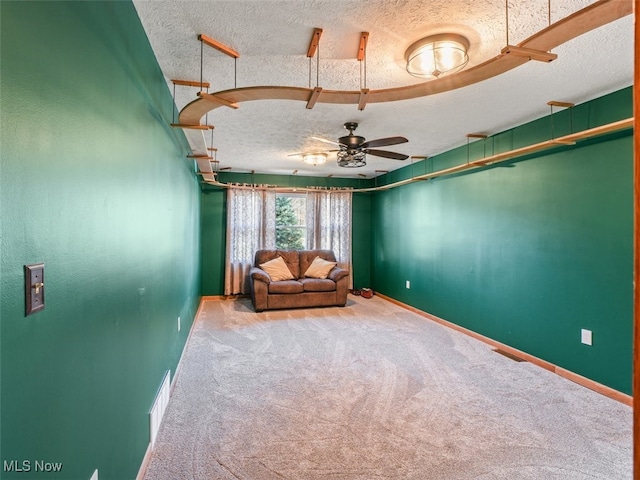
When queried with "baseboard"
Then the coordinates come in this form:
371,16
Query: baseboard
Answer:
147,455
222,297
574,377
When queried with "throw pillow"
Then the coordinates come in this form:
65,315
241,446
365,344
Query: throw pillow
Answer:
319,268
277,269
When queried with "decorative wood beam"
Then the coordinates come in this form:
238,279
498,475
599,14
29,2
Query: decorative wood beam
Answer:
555,103
193,127
315,41
362,49
476,135
314,97
364,96
595,15
529,53
219,100
191,83
218,46
200,156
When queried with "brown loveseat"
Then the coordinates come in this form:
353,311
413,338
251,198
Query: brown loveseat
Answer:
267,294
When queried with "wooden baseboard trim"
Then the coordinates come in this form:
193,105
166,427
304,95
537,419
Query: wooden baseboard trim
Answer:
574,377
221,297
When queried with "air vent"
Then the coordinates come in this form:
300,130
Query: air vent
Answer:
509,355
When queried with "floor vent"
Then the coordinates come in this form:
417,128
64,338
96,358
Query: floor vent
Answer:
159,406
509,355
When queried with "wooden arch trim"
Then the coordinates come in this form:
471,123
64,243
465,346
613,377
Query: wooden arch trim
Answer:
580,22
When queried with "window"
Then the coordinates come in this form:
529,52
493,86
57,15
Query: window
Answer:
291,230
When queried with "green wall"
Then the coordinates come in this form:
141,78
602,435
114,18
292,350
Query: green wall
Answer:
95,185
527,253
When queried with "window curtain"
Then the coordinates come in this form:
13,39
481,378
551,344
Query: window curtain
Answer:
251,219
329,225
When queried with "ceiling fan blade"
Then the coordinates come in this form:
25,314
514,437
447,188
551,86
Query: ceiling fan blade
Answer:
385,154
325,140
384,142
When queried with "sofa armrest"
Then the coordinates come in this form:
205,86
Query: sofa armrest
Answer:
337,273
259,274
259,282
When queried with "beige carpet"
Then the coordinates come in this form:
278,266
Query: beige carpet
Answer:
372,391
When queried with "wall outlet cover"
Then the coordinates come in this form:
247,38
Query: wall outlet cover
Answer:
586,337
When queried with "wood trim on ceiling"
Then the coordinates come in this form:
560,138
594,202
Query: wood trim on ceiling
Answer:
595,15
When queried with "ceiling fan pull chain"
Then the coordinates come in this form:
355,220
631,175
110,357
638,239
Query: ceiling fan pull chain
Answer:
235,72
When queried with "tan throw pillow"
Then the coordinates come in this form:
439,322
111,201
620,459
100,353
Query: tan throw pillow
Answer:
319,268
277,269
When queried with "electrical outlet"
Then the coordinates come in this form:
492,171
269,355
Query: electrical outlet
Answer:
95,475
178,323
586,336
408,284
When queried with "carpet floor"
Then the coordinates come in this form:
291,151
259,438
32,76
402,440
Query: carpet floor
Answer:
373,391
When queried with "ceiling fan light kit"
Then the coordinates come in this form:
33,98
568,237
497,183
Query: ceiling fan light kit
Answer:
437,55
351,158
354,148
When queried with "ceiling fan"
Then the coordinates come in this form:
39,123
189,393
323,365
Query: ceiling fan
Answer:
353,148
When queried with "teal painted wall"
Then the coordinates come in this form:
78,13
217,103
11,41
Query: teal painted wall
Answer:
214,227
95,185
527,253
361,241
214,220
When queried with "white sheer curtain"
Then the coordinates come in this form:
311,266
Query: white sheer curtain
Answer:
251,219
329,225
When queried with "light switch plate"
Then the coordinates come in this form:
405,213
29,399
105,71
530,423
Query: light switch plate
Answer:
34,288
586,337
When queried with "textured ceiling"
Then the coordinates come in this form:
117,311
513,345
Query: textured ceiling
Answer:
272,38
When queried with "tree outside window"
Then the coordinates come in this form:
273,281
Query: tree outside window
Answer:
290,222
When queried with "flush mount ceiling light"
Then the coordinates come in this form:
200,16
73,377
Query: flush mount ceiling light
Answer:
314,158
437,55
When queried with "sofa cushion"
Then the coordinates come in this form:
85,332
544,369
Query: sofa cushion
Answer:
286,286
319,268
290,258
277,269
307,257
318,285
